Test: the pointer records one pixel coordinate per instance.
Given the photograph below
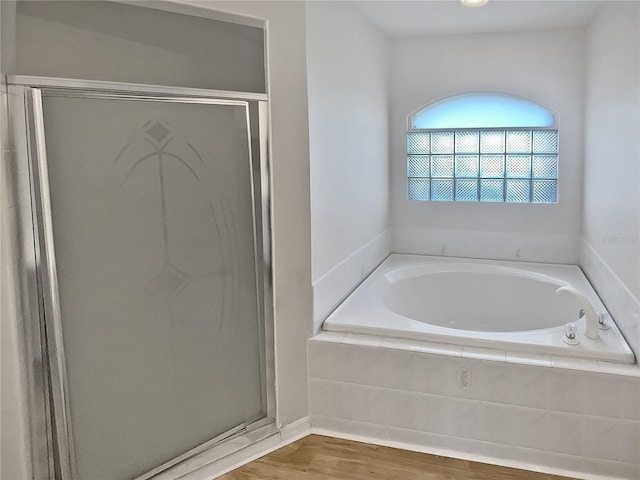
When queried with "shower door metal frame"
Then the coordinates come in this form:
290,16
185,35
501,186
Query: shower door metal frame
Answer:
49,401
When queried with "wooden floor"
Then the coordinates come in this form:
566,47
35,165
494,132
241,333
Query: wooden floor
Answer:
324,458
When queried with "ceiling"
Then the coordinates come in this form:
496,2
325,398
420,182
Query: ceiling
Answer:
436,17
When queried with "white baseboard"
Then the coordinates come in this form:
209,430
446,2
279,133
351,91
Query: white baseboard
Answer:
457,454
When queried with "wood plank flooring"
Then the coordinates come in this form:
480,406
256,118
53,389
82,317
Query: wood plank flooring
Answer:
317,457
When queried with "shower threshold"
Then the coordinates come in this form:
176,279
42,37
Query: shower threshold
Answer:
214,450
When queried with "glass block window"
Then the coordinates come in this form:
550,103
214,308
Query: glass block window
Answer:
514,165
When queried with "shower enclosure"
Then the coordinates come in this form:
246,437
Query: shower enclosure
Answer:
151,332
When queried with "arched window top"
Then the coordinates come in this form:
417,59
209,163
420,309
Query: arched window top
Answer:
482,110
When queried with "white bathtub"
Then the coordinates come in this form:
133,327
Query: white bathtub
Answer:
506,305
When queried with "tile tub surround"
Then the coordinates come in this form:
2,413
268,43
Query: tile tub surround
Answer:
332,288
623,305
529,412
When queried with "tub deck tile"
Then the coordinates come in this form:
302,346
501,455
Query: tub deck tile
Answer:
529,359
442,349
482,353
574,363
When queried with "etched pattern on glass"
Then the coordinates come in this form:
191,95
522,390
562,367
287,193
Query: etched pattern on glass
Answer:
545,141
467,190
418,166
518,191
492,141
467,141
545,166
442,165
518,166
492,190
519,141
418,142
467,166
442,190
545,191
442,142
492,166
419,189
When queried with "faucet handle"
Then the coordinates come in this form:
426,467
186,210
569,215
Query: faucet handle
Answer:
571,334
603,320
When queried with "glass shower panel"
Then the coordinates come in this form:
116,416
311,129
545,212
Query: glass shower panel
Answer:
153,225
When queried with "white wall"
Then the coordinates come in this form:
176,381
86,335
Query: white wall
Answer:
347,69
546,67
611,228
125,43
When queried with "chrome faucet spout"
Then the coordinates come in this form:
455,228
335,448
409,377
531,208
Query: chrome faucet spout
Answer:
590,314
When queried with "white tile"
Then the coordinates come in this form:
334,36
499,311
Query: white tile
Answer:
355,364
490,381
335,337
437,375
482,353
348,427
463,418
341,399
550,461
398,369
362,340
497,423
533,459
431,414
574,364
526,386
611,470
398,408
320,357
421,440
319,397
612,396
442,349
619,369
565,433
533,359
348,401
612,439
531,428
401,344
360,403
333,287
567,390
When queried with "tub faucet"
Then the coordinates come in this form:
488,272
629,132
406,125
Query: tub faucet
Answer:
589,313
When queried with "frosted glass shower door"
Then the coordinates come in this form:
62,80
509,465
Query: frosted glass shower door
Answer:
154,232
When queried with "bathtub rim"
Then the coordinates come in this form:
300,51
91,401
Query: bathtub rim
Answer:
469,338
